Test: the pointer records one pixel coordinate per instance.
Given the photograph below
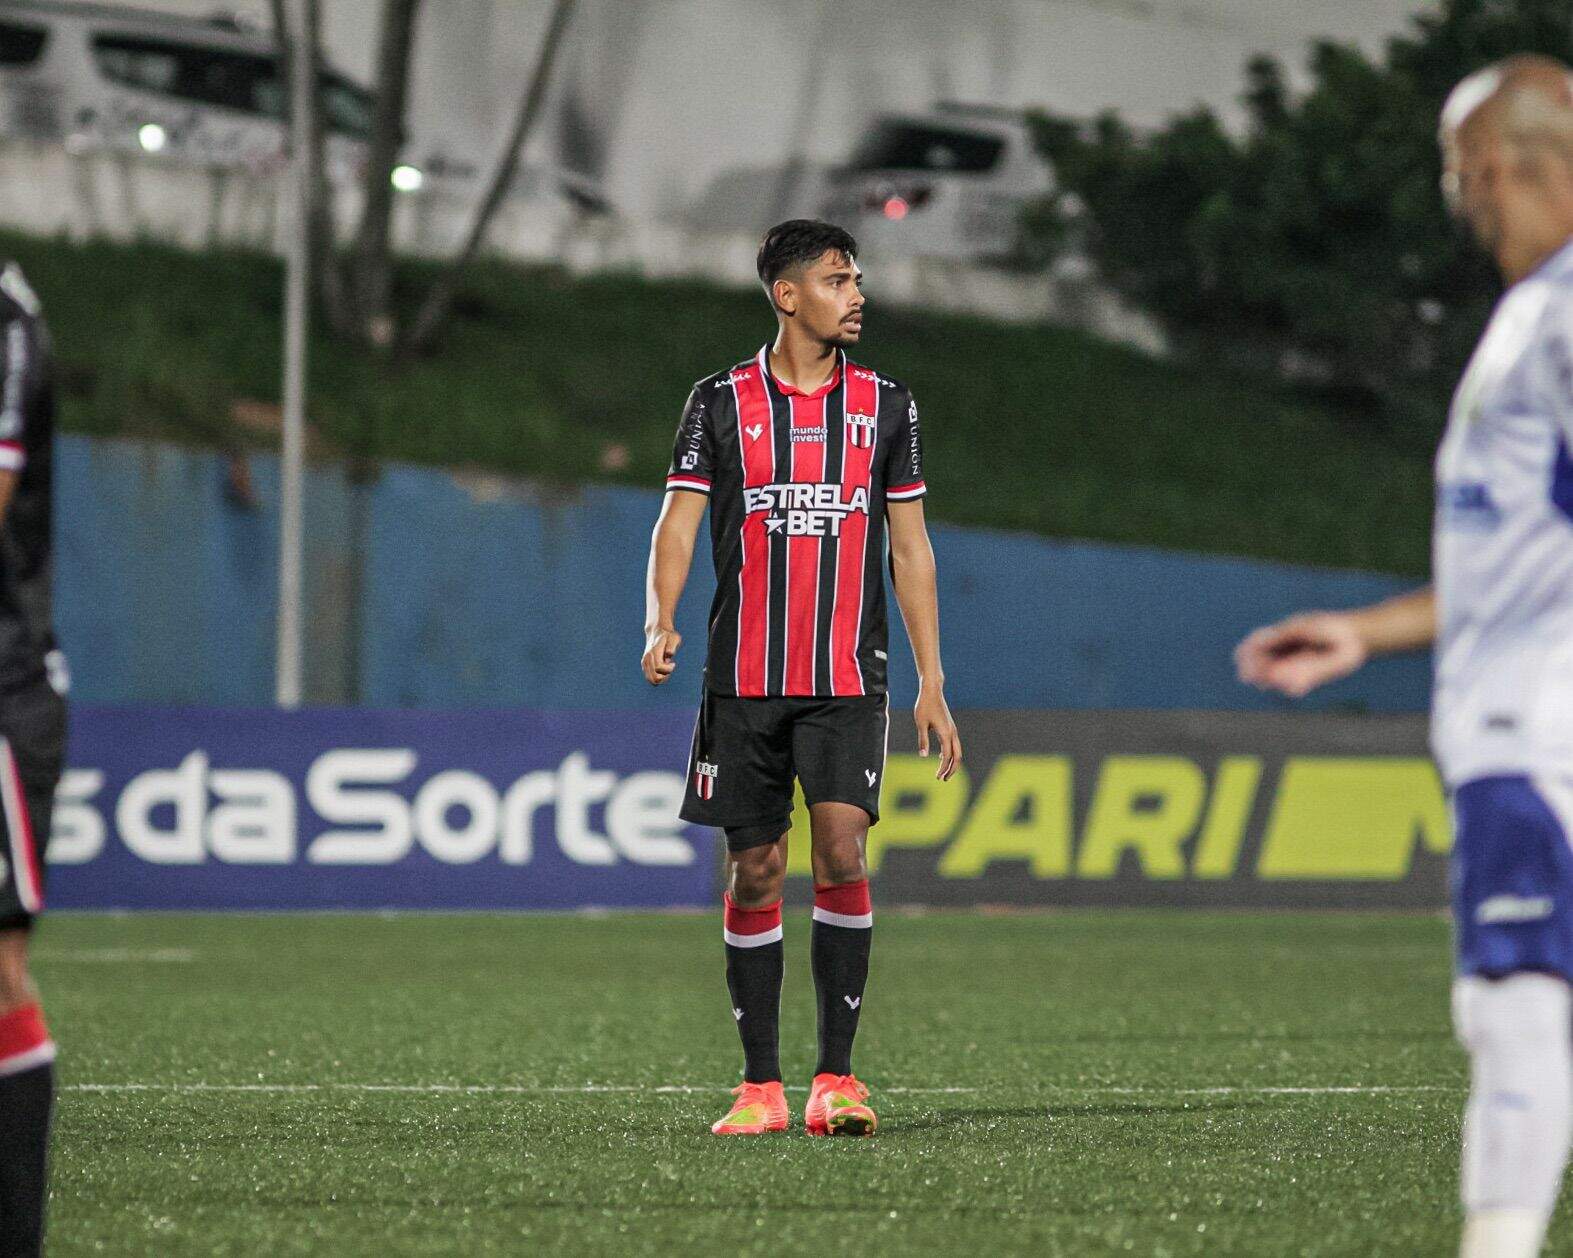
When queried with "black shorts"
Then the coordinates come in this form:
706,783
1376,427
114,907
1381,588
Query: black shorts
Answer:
747,751
32,753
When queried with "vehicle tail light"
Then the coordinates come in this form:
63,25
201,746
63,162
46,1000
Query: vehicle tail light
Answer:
896,203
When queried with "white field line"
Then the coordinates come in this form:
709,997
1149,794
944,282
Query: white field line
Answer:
461,1089
589,1089
1374,1089
117,956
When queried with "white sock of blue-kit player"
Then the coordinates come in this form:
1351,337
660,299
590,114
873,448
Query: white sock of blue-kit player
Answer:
1503,1234
1518,1032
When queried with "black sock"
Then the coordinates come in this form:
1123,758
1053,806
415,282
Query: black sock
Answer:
843,930
754,962
25,1102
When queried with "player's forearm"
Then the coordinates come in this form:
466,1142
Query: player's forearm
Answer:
913,575
1404,623
671,555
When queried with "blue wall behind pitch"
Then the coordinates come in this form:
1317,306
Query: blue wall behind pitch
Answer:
430,589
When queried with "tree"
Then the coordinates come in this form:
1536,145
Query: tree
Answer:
369,279
356,285
1317,240
434,310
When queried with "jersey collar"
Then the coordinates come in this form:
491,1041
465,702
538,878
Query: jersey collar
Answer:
787,390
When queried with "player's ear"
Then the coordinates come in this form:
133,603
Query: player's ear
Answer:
785,294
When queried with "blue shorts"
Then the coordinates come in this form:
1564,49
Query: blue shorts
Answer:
1513,876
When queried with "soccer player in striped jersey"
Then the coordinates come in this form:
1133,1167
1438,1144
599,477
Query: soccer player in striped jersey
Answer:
32,747
802,457
1501,616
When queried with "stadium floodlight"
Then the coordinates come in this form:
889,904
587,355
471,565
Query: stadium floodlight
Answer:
290,647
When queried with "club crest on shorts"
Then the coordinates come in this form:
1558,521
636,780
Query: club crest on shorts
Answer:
705,775
860,431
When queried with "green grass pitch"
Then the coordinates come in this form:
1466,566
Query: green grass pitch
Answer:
1079,1083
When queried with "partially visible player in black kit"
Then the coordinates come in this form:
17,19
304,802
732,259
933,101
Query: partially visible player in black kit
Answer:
802,456
32,747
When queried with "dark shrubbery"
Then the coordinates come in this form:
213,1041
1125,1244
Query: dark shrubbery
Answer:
1315,243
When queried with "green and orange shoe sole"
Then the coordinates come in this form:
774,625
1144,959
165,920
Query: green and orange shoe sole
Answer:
838,1106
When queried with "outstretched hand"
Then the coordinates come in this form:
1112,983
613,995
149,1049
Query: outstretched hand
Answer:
1297,655
933,714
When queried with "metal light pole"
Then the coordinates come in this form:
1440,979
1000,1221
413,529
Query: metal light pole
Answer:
296,310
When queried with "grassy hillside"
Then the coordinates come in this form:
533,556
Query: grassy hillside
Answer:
1034,428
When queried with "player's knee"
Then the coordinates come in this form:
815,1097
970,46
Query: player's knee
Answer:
1518,1013
840,834
840,860
16,985
16,991
758,875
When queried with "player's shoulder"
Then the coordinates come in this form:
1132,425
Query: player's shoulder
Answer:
889,387
720,383
1547,340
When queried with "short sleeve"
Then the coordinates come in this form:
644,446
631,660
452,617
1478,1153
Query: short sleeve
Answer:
693,453
19,367
904,471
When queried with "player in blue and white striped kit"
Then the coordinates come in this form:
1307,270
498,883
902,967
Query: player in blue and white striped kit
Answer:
1501,616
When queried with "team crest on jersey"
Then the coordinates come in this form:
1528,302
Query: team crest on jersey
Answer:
705,775
861,430
1467,506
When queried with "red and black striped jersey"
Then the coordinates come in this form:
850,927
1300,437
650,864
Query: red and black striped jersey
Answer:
798,484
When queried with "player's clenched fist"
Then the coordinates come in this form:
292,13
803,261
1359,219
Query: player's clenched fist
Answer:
660,652
1297,655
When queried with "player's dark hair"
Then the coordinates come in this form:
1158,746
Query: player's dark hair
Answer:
800,240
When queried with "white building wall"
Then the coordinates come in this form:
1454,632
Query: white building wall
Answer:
682,90
657,99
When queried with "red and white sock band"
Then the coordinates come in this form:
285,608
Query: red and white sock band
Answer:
846,905
751,928
24,1040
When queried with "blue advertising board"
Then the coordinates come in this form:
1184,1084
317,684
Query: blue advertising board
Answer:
201,808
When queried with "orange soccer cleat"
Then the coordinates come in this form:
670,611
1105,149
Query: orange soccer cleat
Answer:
837,1106
760,1107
